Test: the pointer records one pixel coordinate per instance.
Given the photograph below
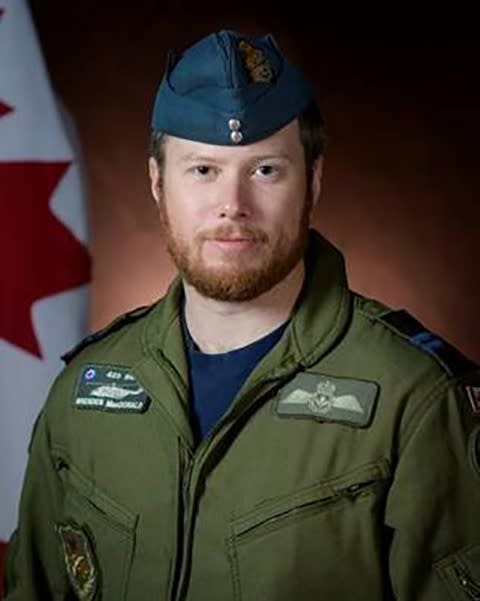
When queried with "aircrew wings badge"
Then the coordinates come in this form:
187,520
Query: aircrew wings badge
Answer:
329,398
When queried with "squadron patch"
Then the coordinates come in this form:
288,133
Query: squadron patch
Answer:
255,63
473,393
328,398
79,560
110,388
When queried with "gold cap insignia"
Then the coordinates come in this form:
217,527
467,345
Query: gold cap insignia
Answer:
79,560
256,63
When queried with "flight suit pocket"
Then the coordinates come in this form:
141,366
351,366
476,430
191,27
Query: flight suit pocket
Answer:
460,574
100,536
299,546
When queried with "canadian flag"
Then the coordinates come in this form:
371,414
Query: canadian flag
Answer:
43,234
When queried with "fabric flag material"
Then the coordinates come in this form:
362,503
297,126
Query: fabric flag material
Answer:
43,245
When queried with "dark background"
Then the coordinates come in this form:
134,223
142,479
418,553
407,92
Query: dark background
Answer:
399,88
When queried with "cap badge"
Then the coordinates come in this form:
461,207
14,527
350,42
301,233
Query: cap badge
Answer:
255,63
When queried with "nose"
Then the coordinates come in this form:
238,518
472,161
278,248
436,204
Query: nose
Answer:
234,201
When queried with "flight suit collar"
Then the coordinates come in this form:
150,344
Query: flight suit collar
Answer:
323,308
320,315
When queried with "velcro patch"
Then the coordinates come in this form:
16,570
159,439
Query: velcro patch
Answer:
328,398
79,560
110,388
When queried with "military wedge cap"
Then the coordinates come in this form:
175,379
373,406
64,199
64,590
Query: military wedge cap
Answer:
229,89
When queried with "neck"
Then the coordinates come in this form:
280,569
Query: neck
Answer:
219,327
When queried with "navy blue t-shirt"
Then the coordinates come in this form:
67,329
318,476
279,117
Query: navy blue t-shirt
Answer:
216,378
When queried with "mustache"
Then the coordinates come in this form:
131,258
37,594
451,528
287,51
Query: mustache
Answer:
228,232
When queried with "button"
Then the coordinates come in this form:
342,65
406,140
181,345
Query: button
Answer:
236,137
234,124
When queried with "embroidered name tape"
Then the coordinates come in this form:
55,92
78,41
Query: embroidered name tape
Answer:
110,388
329,399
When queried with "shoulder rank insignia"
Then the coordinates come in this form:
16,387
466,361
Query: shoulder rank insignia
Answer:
79,560
115,325
328,399
255,63
417,334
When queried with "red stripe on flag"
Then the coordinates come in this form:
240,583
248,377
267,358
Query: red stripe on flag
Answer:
40,255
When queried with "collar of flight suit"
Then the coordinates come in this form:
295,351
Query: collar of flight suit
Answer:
319,318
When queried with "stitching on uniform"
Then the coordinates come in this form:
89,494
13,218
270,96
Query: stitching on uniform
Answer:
234,565
475,461
423,408
405,340
341,305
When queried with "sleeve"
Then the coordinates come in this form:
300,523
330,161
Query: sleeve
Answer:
35,568
434,501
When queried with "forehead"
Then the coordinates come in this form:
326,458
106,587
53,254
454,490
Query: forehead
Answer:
285,143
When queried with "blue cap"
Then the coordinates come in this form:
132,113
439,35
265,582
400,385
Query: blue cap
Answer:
229,89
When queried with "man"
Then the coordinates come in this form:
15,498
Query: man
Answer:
262,432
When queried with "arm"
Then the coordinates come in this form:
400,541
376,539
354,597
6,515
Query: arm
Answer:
434,502
35,568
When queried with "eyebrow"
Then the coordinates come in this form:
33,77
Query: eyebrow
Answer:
194,157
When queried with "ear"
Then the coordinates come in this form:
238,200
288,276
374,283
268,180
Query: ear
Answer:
316,183
154,173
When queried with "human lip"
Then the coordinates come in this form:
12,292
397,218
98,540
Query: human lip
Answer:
233,243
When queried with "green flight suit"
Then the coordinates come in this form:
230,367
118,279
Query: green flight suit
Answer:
347,467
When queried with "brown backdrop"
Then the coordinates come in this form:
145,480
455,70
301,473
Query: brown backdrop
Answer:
401,103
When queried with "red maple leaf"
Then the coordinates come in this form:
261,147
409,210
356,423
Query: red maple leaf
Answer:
41,256
4,109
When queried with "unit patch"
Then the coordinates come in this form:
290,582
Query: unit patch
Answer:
473,393
328,398
79,560
110,388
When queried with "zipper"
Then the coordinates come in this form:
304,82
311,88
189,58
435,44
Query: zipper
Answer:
469,586
193,473
304,509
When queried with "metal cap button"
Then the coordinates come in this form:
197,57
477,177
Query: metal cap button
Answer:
236,137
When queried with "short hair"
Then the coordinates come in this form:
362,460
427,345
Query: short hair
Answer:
312,136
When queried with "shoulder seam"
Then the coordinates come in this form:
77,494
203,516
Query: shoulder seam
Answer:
116,324
464,364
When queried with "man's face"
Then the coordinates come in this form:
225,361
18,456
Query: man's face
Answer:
235,218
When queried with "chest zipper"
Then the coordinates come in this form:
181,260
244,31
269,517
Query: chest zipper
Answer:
469,586
188,494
